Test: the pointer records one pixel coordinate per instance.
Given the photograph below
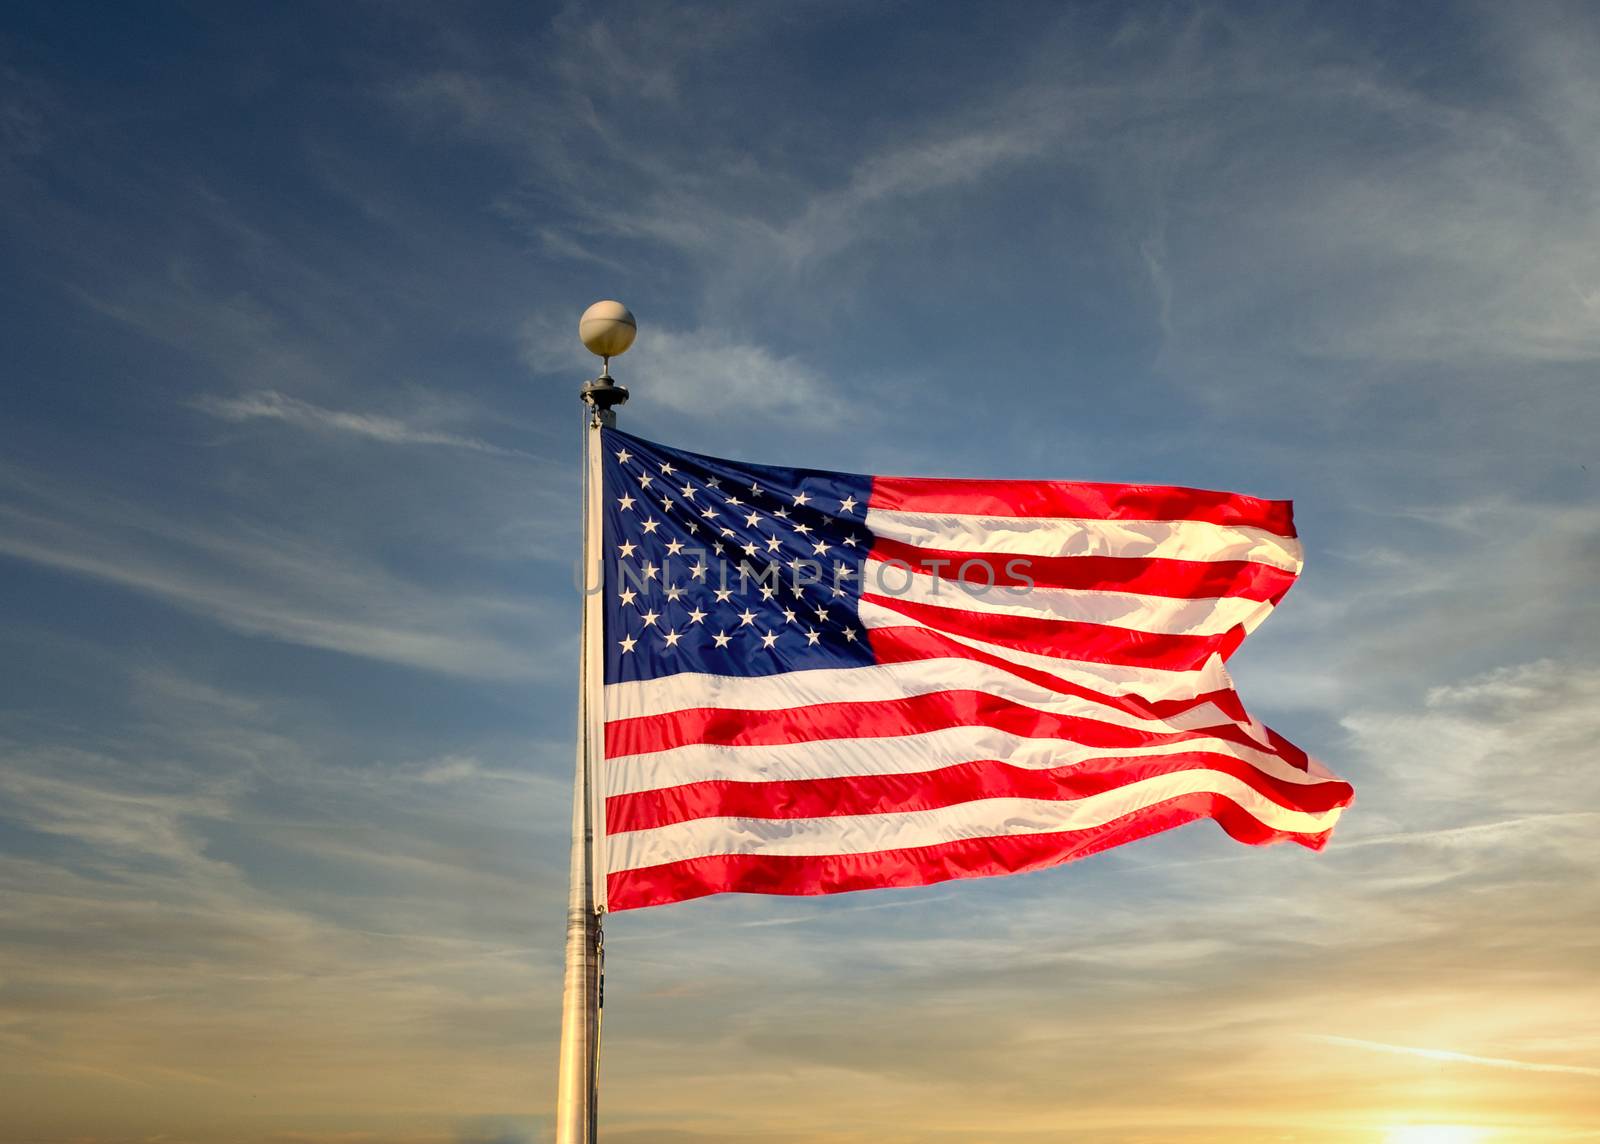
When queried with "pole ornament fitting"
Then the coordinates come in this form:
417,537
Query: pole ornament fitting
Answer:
603,393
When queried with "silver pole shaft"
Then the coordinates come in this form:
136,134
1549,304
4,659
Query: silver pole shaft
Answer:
578,1090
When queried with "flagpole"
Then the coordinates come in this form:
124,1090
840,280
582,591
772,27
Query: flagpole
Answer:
607,328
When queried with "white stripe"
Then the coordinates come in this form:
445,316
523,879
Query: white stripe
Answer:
896,755
1161,615
1109,678
988,818
877,683
1072,536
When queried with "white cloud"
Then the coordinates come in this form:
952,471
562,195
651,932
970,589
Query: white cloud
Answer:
1421,585
708,374
1462,244
273,406
1492,772
91,798
704,373
833,219
266,581
1456,1058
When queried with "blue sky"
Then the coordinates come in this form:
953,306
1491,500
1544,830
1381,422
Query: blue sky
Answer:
288,471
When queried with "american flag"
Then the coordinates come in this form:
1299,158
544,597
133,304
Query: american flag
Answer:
818,682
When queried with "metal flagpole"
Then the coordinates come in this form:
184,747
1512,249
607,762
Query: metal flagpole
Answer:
607,328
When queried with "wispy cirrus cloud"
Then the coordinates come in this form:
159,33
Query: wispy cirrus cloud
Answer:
1454,1057
270,405
700,373
264,580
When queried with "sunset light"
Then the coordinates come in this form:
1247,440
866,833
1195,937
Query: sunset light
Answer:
1437,1134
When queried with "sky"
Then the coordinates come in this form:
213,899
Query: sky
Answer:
288,521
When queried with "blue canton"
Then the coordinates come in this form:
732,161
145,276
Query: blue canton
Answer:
729,568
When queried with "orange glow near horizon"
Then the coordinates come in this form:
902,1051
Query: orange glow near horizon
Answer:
1436,1134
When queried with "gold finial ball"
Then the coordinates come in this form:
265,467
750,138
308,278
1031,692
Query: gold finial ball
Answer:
607,329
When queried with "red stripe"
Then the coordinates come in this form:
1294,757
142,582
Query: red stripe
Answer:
1075,499
908,644
1147,576
1067,639
1287,751
925,865
883,718
947,786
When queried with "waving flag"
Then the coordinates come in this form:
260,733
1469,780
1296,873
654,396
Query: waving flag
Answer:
818,682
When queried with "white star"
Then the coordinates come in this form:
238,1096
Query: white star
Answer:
749,549
820,547
755,489
736,502
822,613
666,468
802,529
850,540
709,513
783,512
728,532
842,571
693,527
644,480
674,547
687,492
673,592
724,595
768,639
672,638
650,619
624,502
666,504
768,591
752,520
713,483
773,544
627,596
788,615
811,637
627,643
625,549
624,457
696,616
651,525
801,498
746,618
850,634
650,570
722,639
848,504
698,571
